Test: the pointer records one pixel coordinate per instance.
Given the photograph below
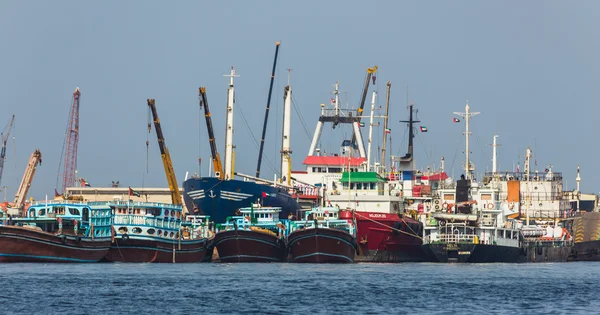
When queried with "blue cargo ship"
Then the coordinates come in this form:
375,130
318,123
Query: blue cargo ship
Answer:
222,198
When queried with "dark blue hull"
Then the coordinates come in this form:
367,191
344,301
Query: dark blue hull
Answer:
220,199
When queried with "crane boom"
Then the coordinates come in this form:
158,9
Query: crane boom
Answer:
216,157
264,131
4,141
34,161
72,142
166,157
370,72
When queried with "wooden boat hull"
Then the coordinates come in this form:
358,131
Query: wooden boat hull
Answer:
187,251
19,244
321,245
148,250
249,246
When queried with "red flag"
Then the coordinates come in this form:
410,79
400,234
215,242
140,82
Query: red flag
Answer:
456,120
264,194
56,194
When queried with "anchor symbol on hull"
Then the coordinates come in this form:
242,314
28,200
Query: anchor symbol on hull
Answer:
212,194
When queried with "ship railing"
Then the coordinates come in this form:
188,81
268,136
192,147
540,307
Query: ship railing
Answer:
144,220
454,238
145,204
533,176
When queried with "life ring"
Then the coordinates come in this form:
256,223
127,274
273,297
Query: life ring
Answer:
449,209
490,206
125,237
445,205
437,201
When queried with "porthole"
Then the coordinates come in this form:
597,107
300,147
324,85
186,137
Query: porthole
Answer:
136,230
166,213
151,231
159,232
165,233
123,230
171,235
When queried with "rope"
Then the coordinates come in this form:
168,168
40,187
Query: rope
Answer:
302,122
265,158
389,227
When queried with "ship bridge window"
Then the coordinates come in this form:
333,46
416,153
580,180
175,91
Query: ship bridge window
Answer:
42,211
74,211
372,186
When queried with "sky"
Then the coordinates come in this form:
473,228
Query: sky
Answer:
530,67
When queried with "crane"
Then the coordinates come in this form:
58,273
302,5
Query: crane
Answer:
72,141
216,157
34,161
4,140
370,72
166,157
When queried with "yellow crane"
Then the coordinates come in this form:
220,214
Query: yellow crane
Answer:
216,157
21,195
166,157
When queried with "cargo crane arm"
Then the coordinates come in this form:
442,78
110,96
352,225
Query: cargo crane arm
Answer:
216,157
370,72
4,140
166,157
34,161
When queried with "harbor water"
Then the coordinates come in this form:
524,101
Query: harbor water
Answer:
245,288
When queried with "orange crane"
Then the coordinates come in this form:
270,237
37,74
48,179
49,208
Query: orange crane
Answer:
166,157
216,157
34,161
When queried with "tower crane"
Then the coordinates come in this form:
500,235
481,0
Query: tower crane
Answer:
34,161
370,73
72,141
216,157
166,157
4,140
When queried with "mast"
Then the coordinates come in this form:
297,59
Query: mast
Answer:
408,158
286,160
229,126
495,155
467,115
526,174
385,122
264,131
578,179
370,132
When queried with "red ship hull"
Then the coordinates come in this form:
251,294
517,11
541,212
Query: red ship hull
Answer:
19,244
157,251
386,237
321,245
249,246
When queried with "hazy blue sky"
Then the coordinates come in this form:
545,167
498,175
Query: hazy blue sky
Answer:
530,67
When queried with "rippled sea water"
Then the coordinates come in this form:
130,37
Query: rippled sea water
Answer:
213,288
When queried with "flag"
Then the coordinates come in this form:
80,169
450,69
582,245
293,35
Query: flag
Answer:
423,129
388,130
518,168
265,195
85,183
56,194
133,192
332,100
456,120
362,124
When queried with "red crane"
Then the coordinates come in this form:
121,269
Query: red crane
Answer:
72,140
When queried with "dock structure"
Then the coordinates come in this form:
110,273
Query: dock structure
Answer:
149,194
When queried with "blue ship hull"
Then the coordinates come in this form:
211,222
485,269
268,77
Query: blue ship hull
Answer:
220,199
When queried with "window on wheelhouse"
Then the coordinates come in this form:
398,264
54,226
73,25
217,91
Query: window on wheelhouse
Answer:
86,214
74,211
